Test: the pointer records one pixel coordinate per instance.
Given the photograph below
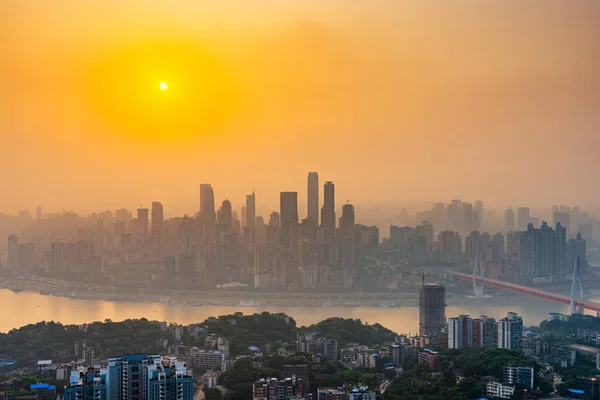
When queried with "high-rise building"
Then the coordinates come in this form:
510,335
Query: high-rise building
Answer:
513,243
479,214
203,188
250,210
564,218
169,380
289,216
576,247
523,216
460,332
157,214
328,210
273,229
485,333
432,309
142,216
468,220
313,197
225,213
128,376
208,207
86,385
38,213
509,220
510,332
347,221
497,247
543,251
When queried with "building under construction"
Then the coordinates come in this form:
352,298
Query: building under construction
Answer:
432,309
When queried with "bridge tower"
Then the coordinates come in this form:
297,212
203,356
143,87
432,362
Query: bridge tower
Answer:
477,272
576,280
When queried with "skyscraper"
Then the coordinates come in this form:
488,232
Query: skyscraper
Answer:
250,210
485,332
225,213
328,210
128,376
157,214
169,380
87,386
543,251
478,214
203,187
432,309
523,218
460,332
147,377
313,197
142,216
510,332
509,220
347,221
289,216
208,206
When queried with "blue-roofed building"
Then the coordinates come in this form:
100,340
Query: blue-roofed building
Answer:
44,391
576,393
87,386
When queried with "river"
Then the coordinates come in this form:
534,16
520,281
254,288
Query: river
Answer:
19,309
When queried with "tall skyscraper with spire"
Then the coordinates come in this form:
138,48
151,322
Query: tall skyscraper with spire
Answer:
313,197
226,214
347,221
328,210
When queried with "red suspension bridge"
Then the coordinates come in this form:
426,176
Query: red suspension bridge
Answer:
588,305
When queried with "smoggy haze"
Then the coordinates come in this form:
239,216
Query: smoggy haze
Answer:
393,100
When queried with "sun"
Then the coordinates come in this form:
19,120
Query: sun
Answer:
163,86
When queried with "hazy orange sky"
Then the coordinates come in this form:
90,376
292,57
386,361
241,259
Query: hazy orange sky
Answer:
393,100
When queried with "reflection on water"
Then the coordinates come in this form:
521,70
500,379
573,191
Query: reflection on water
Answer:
25,308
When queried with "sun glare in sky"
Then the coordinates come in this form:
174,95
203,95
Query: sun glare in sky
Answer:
163,86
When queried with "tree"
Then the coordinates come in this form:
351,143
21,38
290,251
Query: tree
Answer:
212,394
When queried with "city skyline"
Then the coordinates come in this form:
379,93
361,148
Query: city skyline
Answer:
82,130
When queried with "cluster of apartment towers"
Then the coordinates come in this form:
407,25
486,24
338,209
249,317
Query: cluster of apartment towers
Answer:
464,331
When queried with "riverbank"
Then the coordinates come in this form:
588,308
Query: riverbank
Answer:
224,297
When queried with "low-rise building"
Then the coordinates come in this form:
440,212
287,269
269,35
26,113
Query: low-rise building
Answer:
209,380
521,375
331,394
361,393
272,389
367,359
429,358
44,391
211,359
498,390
